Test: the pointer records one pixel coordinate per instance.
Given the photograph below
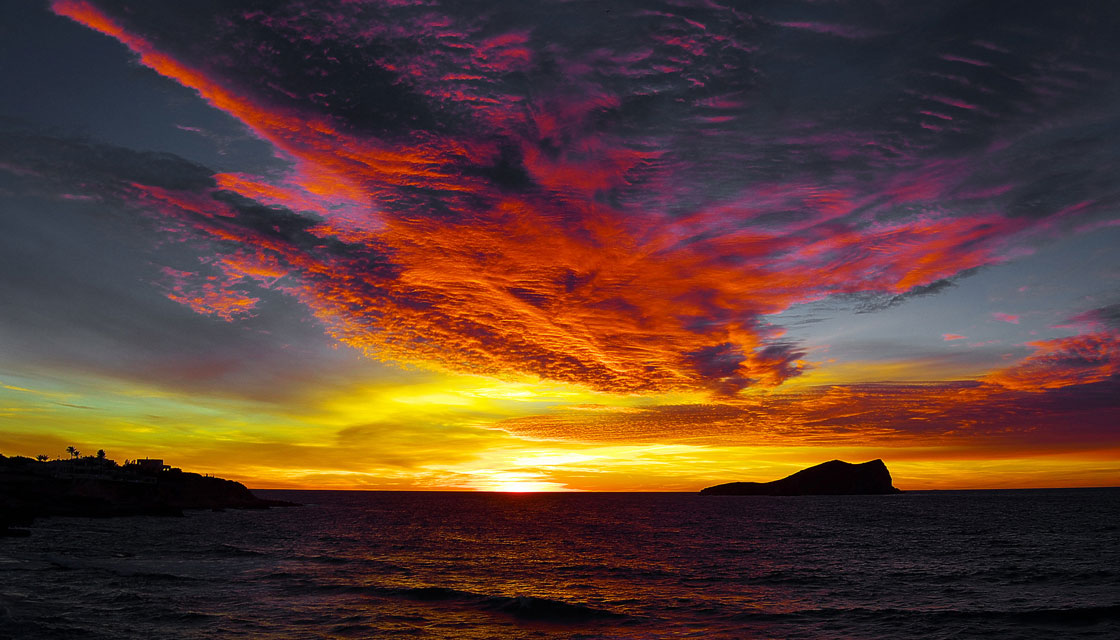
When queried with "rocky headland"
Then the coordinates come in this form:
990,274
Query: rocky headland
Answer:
834,477
100,488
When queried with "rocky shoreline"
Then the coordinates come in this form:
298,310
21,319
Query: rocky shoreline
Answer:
99,488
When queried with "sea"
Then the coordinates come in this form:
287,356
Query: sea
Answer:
945,564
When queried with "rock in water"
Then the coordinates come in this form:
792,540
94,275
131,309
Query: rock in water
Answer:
834,477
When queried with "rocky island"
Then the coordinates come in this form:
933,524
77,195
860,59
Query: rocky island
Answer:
98,487
834,477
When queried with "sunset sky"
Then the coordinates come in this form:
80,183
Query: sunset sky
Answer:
582,245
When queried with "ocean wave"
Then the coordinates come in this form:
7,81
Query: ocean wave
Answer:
122,570
521,606
151,575
230,550
535,608
32,630
181,620
323,559
435,593
800,578
1071,616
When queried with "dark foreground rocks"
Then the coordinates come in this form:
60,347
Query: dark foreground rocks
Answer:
31,489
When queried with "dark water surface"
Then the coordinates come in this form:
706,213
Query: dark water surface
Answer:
999,564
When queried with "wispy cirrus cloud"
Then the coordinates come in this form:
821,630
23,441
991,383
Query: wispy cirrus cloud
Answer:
947,414
1064,362
1090,357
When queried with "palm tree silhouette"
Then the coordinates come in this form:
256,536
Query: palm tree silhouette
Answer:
74,453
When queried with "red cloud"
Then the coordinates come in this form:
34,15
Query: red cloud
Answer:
1006,317
1064,362
209,297
537,237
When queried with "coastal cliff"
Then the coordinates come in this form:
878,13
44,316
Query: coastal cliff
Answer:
99,488
834,477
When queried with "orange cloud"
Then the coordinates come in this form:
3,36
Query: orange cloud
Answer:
514,245
982,416
1063,362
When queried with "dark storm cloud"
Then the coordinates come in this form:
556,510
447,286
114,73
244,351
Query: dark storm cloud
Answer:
766,87
930,81
872,303
86,165
1108,316
39,164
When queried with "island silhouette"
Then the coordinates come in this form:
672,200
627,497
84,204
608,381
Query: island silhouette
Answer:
834,477
98,487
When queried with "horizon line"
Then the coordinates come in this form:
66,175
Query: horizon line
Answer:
583,491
